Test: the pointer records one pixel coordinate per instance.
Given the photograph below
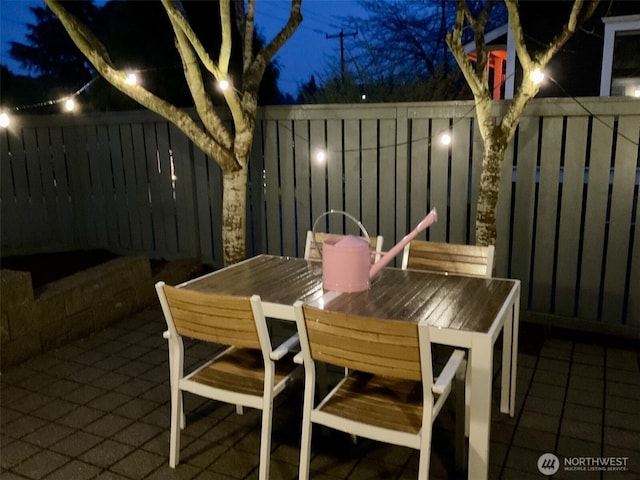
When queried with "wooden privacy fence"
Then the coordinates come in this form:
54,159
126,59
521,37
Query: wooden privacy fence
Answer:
132,183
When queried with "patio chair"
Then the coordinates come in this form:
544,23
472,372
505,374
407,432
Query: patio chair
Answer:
388,392
449,258
246,373
312,251
452,258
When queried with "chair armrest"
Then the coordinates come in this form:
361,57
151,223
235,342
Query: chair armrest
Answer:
455,362
292,342
298,359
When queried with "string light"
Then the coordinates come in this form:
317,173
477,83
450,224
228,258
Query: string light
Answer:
537,76
223,84
69,104
321,156
132,78
445,139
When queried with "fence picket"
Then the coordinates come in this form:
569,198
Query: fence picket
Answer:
290,238
9,196
64,211
547,209
599,172
419,168
459,201
301,162
387,190
571,210
35,208
526,176
131,187
334,165
181,181
272,189
370,181
620,218
439,186
143,196
352,172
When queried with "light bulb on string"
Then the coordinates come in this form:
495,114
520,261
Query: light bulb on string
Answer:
4,120
445,139
69,105
132,78
223,84
537,76
321,156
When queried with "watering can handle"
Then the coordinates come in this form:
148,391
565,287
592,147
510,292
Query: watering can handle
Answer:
346,214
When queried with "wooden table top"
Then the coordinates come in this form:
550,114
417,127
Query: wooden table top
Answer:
448,301
281,280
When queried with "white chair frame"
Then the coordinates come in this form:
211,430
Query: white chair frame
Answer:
434,393
273,383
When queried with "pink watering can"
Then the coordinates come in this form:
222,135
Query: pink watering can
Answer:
346,261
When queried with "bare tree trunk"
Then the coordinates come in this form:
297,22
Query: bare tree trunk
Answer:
234,213
492,158
496,132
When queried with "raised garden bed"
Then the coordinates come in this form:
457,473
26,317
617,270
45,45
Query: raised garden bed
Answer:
48,300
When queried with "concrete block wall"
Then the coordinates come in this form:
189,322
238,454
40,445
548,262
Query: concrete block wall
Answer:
78,305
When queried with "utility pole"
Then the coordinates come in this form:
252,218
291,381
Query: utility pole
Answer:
341,35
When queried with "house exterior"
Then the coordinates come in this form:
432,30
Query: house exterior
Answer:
620,74
572,72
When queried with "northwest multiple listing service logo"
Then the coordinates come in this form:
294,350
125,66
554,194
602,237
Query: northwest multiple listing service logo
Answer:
549,464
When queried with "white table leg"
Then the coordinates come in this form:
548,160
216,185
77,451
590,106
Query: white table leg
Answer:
480,408
507,364
514,352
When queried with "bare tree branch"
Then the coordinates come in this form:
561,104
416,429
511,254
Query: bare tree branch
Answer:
225,47
97,54
454,41
202,101
248,36
230,95
263,57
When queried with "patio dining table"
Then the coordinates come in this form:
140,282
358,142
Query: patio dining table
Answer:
462,311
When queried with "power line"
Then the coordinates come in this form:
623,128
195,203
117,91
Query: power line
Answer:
341,35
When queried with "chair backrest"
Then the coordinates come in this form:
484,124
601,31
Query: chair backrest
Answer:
312,248
449,257
381,347
213,318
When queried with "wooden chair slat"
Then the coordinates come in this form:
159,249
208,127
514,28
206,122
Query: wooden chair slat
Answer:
449,257
213,318
366,344
387,403
365,325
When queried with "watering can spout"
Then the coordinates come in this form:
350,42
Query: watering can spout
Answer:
428,220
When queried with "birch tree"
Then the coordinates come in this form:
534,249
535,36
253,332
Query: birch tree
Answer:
228,147
497,132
